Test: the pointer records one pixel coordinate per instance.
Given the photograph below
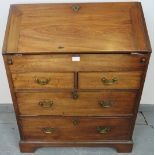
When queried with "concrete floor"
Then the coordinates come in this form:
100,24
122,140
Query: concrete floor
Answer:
143,139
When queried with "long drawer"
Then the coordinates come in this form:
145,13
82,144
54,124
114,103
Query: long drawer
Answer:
74,128
41,80
110,80
105,103
85,62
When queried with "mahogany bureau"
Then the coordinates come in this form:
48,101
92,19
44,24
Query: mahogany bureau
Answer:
76,72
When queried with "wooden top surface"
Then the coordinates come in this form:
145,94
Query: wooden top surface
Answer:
58,28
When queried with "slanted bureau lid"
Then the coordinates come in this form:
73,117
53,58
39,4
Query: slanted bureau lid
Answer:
76,28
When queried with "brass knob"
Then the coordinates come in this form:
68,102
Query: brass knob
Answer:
48,130
46,103
143,60
106,81
10,62
76,121
103,129
75,95
75,8
42,80
105,104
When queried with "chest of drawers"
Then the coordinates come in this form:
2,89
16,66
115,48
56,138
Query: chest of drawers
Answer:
76,72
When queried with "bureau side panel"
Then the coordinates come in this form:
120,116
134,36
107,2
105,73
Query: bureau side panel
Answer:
13,95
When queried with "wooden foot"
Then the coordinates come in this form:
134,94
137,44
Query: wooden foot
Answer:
27,147
124,148
31,146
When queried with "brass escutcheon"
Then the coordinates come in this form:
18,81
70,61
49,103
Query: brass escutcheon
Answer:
75,95
75,8
75,121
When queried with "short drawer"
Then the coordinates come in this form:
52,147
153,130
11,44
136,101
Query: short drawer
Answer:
75,128
86,62
105,103
110,80
43,80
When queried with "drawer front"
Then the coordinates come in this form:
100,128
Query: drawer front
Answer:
70,128
87,103
110,80
43,80
88,62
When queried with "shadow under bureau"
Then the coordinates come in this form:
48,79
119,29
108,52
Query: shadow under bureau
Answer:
76,72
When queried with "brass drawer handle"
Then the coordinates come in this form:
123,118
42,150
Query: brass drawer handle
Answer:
42,80
105,104
106,81
48,130
75,8
76,122
46,103
103,129
75,95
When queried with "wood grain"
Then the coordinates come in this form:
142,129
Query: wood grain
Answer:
111,40
125,80
88,62
97,27
13,95
56,80
84,130
87,104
